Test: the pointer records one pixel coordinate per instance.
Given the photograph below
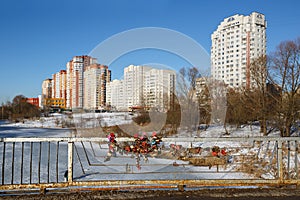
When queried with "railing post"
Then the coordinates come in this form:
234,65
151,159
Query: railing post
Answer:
296,164
70,162
280,162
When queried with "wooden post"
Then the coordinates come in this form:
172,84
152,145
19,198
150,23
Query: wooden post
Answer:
280,163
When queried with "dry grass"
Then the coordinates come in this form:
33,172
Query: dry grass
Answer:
99,132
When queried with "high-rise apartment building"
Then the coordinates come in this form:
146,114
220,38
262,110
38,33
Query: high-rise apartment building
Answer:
58,87
134,82
96,77
159,87
54,86
143,86
63,84
115,95
59,84
47,88
75,69
237,40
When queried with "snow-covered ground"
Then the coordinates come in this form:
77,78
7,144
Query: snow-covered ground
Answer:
87,120
89,157
90,120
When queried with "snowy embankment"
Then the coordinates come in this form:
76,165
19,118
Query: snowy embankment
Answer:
87,120
57,126
90,120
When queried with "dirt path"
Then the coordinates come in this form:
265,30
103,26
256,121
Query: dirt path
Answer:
203,194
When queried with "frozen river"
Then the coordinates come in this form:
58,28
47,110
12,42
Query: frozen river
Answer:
89,160
15,131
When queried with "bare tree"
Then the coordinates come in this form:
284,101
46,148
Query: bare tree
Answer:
20,109
187,96
235,111
218,95
258,69
285,72
204,101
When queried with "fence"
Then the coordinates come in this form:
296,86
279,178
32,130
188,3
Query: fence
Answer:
45,163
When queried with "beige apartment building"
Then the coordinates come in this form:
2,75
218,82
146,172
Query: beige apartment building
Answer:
47,88
237,40
96,77
143,86
75,70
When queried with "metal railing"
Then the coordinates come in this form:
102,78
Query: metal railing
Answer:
42,163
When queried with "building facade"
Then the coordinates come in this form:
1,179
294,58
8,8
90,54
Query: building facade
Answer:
134,82
46,91
142,87
63,84
115,95
59,84
47,88
96,77
237,40
33,101
159,88
55,103
75,70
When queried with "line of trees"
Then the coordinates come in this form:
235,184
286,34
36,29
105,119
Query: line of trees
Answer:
274,101
19,109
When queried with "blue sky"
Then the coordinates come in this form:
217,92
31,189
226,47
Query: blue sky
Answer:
38,37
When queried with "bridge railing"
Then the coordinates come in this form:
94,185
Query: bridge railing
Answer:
40,163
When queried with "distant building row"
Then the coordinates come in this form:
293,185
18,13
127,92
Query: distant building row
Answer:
83,79
85,84
143,86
